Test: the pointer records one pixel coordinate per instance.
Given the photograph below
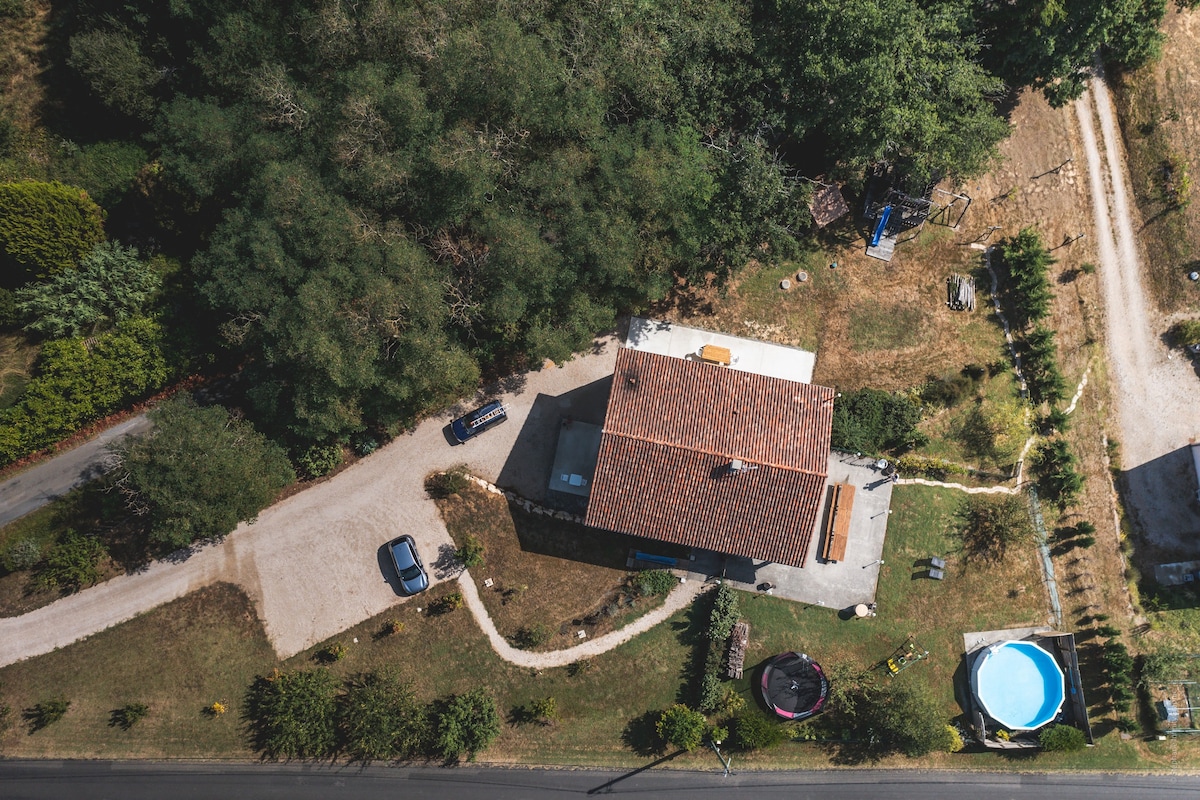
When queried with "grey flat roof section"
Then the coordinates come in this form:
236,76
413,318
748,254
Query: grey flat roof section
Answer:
575,458
749,355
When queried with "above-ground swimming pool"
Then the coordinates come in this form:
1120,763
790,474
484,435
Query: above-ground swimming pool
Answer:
1018,684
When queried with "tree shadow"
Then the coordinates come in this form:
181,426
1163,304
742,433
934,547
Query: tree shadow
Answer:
447,565
641,735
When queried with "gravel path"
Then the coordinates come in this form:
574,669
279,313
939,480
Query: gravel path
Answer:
314,564
1155,392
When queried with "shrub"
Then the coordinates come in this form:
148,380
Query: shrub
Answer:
72,563
545,710
441,485
46,228
531,636
1108,630
379,718
22,554
320,459
580,667
334,651
654,583
1187,333
1087,268
447,603
1064,738
466,724
682,727
710,692
874,421
719,734
216,709
470,555
755,731
47,712
724,615
392,627
954,739
1085,528
127,715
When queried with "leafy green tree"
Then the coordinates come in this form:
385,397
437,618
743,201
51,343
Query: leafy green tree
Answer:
1049,44
895,80
1062,738
199,472
904,717
72,563
111,63
466,724
470,555
110,286
874,421
379,718
682,727
996,430
990,525
293,714
45,228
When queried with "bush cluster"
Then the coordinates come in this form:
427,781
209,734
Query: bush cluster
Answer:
654,583
74,384
1055,466
1119,666
320,459
722,616
373,715
1064,738
875,421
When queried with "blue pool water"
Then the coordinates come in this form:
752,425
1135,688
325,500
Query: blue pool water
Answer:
1018,684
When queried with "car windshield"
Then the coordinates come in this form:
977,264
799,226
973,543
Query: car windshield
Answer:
411,573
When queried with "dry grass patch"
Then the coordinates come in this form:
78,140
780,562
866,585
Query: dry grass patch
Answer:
551,578
177,659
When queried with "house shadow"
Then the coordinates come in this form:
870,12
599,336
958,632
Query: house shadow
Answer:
1160,497
549,536
526,471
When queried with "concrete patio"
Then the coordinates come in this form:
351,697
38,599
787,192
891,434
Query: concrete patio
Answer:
836,585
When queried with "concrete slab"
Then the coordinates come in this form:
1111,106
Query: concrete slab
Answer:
977,640
749,355
1177,574
839,585
575,458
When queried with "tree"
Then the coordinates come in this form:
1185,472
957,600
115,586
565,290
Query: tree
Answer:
1058,478
470,555
293,714
379,718
46,712
996,430
72,563
1025,263
990,525
903,717
45,228
466,724
127,715
682,727
111,63
110,286
199,472
1050,44
1064,738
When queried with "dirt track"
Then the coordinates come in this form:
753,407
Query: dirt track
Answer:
1154,388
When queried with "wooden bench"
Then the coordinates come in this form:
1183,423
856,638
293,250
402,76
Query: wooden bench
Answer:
738,641
712,354
837,529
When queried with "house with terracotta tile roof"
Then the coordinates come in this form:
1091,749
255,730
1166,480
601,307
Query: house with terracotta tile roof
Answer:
698,454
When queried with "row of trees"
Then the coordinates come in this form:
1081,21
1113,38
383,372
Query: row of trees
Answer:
372,716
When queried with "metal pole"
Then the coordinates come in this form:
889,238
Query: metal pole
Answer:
725,761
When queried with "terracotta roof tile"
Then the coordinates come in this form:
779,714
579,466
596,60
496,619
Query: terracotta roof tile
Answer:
672,428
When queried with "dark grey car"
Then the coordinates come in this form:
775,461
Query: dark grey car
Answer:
408,565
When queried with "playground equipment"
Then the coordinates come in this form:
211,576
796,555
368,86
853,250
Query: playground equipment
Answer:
905,656
881,226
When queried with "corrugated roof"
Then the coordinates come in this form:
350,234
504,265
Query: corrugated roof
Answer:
673,427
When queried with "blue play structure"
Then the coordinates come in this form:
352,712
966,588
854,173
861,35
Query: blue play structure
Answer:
881,225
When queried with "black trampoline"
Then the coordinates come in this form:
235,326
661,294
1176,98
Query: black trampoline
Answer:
794,686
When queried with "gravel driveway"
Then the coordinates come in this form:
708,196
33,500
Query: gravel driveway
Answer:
1155,389
313,565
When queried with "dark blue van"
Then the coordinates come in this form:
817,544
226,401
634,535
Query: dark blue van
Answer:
471,425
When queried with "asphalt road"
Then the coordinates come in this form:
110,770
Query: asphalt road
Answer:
35,487
39,780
